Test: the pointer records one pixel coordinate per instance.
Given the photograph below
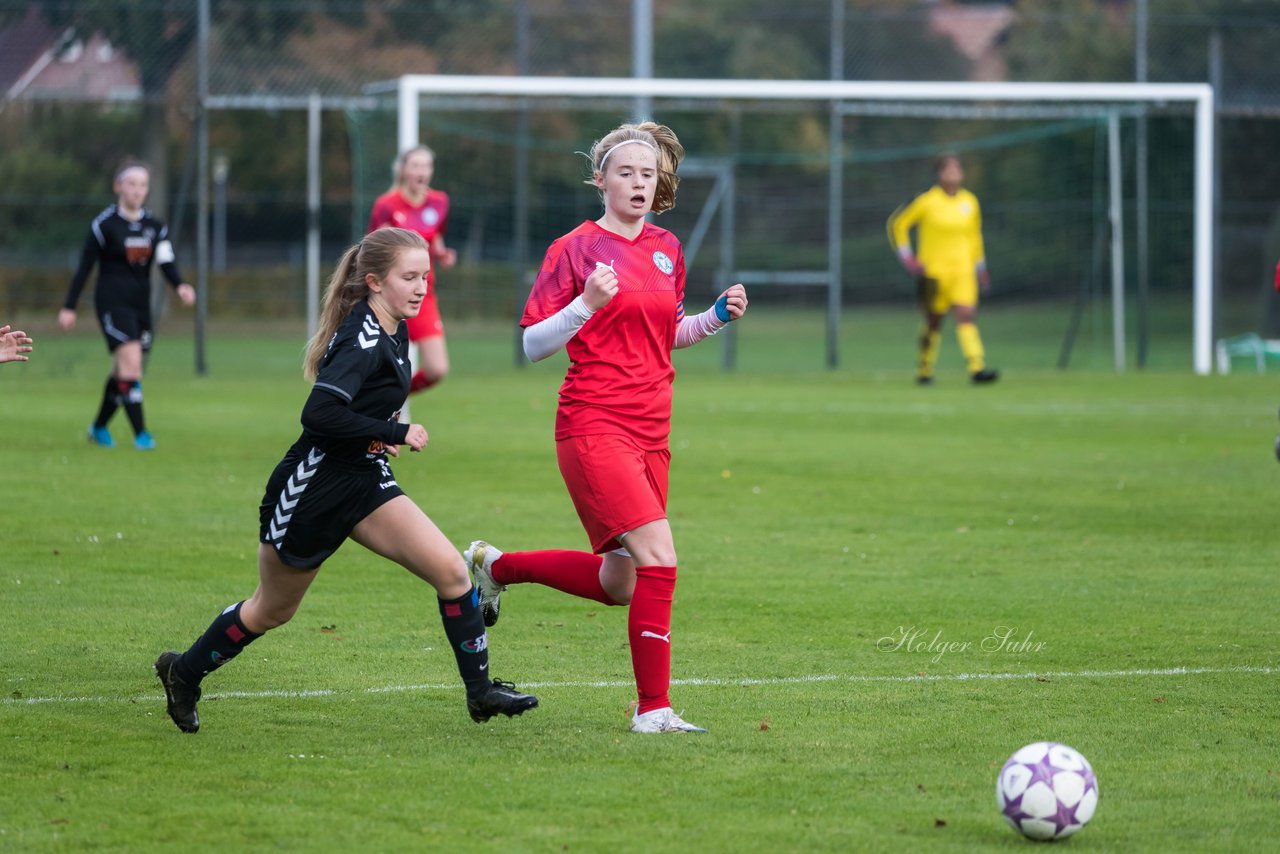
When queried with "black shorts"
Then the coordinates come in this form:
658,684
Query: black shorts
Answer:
311,504
122,323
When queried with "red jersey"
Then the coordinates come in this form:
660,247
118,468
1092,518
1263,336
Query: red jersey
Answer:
428,218
620,372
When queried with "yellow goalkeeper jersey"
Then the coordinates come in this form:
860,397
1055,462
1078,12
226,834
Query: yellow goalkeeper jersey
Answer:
949,231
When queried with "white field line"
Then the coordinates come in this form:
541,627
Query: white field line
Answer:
712,682
1186,408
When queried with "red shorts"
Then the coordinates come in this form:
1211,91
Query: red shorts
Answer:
616,485
427,324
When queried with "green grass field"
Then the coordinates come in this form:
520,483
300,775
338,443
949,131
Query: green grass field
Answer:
1123,527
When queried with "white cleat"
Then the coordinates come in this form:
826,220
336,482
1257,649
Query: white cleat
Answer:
662,720
480,558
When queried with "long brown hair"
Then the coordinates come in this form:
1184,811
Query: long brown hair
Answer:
663,140
375,254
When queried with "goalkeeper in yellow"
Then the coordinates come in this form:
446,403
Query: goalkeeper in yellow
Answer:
949,265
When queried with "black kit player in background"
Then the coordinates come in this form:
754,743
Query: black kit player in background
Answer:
124,241
335,483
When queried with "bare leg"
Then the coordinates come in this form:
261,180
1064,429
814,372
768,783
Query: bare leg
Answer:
434,358
280,591
126,361
401,532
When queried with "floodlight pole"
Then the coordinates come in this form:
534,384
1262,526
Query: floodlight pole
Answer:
1141,191
835,191
521,200
313,213
642,54
202,183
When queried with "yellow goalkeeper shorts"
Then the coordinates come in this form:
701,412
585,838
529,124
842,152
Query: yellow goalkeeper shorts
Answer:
938,294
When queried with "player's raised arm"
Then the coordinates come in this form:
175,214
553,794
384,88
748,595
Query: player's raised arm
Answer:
728,307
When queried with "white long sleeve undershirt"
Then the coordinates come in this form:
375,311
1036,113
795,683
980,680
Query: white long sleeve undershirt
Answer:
547,336
691,330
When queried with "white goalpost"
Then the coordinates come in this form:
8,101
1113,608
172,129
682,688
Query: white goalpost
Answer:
1097,99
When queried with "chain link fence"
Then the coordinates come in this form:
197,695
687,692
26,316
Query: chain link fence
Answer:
84,83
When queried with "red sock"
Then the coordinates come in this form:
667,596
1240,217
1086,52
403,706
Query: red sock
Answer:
649,631
575,573
420,382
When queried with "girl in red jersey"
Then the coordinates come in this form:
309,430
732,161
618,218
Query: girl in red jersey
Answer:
611,292
412,204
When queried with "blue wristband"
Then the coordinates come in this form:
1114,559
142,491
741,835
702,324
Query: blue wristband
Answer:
722,309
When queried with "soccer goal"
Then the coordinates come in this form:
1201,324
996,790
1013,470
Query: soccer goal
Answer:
806,172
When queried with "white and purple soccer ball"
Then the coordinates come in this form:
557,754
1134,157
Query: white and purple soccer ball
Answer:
1047,791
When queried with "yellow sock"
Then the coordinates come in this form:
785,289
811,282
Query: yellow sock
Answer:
929,343
971,346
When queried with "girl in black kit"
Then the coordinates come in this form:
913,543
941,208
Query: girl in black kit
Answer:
335,483
124,241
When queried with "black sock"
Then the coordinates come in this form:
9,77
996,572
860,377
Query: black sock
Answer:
464,626
131,397
221,642
110,402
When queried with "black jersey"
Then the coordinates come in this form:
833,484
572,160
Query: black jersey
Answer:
124,251
359,390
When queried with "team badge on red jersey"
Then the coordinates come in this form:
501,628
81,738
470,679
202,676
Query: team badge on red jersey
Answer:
663,262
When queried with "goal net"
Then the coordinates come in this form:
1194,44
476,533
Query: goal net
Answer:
1096,202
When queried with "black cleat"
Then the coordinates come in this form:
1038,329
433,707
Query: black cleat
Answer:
923,380
181,697
500,698
986,375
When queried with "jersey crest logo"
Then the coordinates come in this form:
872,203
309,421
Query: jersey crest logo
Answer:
663,262
369,331
137,250
430,216
965,208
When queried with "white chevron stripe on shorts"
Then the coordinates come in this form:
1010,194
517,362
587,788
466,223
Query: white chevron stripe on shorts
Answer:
291,495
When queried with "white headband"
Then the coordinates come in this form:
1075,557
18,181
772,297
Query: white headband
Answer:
625,142
126,170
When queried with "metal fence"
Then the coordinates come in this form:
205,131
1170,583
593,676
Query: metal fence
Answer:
83,83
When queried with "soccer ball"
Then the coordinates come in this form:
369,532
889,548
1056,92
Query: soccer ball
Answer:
1047,791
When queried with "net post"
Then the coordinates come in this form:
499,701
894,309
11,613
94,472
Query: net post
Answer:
1116,217
1203,263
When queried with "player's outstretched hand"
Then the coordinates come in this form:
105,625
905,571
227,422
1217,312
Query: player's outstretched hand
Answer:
448,258
67,318
600,286
912,265
417,438
732,304
984,279
186,293
13,345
